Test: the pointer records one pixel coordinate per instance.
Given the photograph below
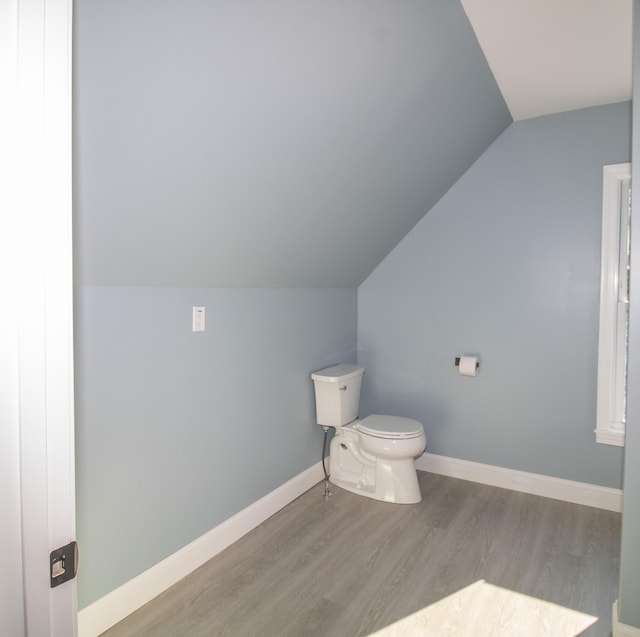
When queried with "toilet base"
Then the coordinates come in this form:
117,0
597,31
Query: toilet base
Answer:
382,479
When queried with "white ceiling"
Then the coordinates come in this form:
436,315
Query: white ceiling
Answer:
550,56
222,144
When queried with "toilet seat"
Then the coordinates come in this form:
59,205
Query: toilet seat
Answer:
389,427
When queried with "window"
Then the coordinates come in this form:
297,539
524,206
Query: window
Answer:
614,305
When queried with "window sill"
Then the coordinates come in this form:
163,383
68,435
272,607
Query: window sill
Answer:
608,437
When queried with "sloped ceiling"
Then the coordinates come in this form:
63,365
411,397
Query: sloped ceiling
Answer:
288,143
250,143
550,56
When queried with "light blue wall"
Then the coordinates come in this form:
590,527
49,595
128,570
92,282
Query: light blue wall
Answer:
219,142
230,144
630,548
505,266
293,145
177,431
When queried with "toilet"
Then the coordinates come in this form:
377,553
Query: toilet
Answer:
374,456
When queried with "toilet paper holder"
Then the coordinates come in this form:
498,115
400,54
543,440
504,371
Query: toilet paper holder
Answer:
457,362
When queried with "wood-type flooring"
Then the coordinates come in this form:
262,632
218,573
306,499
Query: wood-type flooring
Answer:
470,559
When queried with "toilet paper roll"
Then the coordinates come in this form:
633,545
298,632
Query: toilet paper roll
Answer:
468,366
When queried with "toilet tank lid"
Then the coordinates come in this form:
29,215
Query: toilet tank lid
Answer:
338,373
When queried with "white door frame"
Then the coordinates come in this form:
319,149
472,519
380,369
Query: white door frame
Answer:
36,321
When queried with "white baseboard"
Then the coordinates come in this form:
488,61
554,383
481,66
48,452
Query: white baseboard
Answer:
535,484
124,600
622,630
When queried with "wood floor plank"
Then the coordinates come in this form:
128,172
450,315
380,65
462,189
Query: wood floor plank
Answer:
349,566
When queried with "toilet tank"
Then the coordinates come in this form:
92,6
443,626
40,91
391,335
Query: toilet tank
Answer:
337,394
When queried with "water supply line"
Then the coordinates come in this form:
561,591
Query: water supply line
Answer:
327,491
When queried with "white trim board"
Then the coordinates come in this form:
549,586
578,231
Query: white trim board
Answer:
619,629
124,600
535,484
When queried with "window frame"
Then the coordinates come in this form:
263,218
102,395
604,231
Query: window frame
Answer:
612,338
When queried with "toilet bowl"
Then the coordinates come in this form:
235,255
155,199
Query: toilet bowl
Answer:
374,456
